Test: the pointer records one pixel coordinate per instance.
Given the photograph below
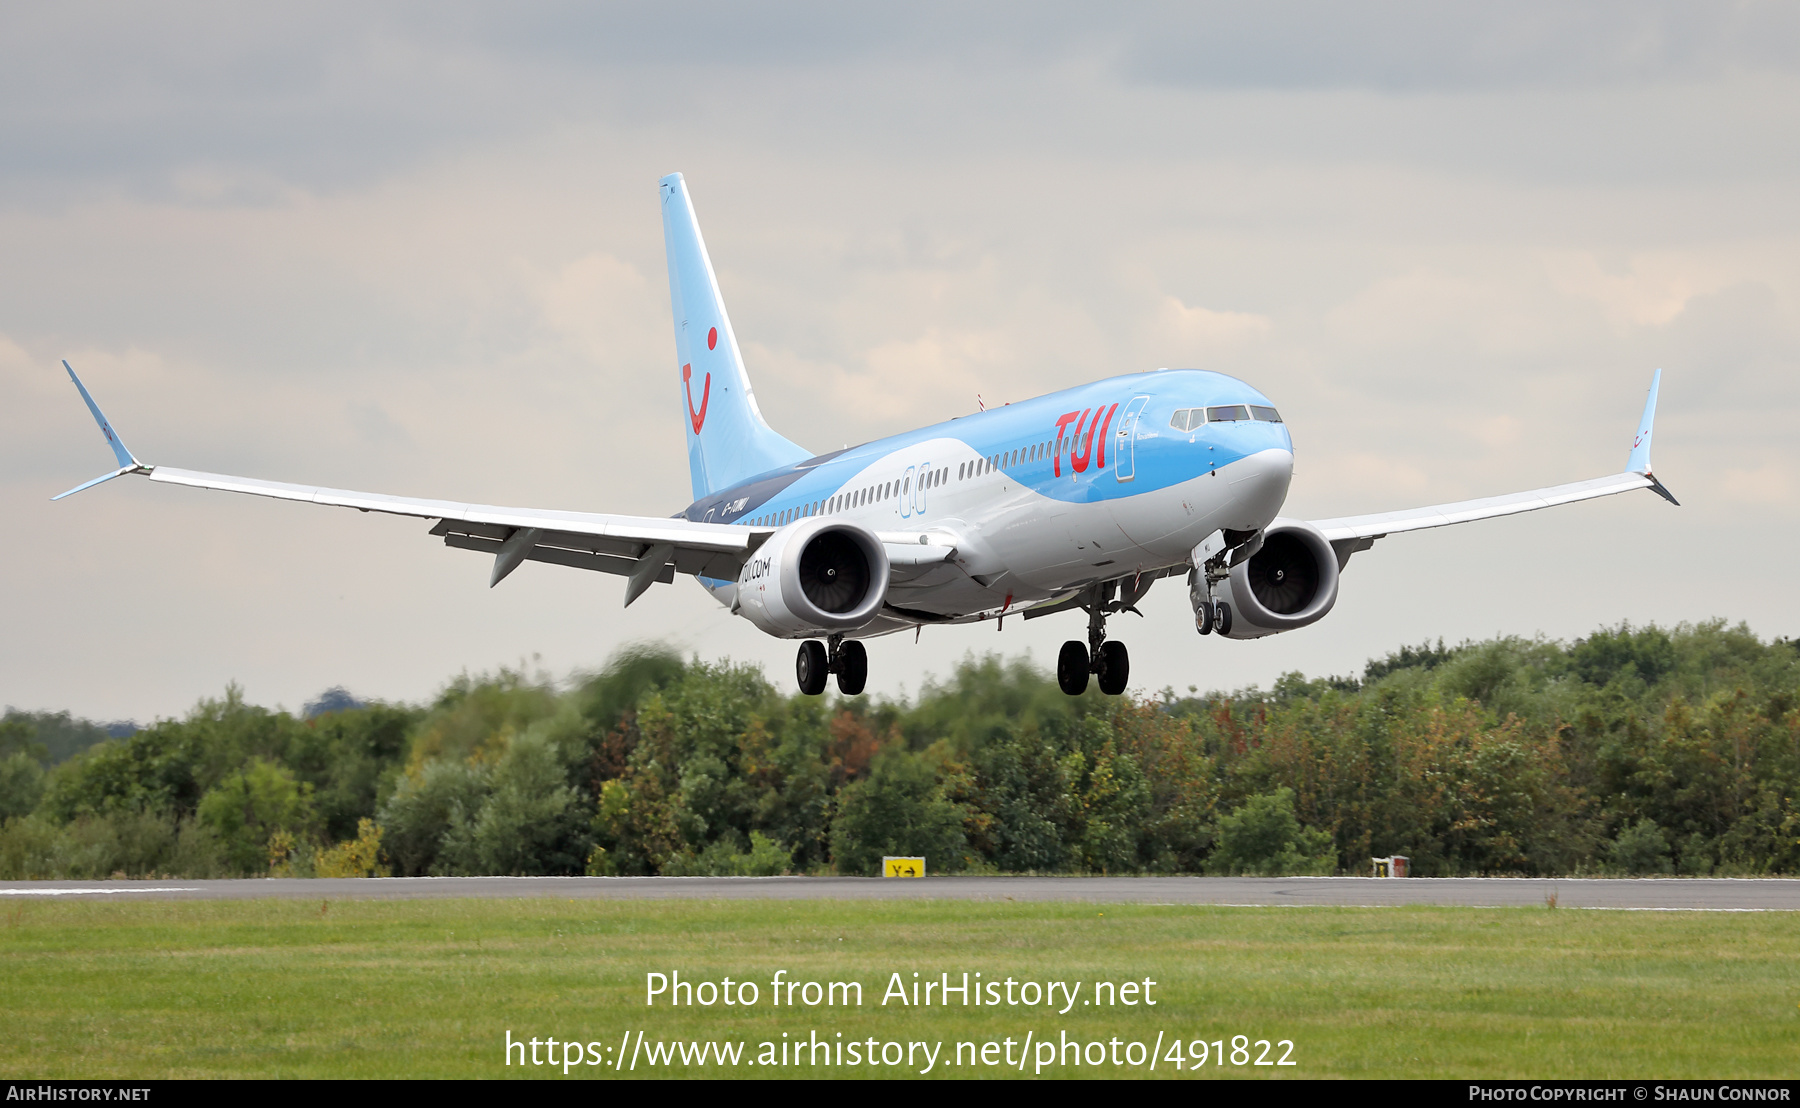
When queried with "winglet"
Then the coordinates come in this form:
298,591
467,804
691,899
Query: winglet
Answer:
128,462
101,480
126,459
1639,460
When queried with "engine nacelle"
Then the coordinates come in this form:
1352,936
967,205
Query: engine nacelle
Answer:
1290,582
814,577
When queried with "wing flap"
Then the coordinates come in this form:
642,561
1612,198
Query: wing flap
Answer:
559,556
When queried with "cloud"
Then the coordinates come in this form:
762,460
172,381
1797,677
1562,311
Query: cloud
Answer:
1207,331
1649,291
1467,316
1768,485
1417,46
1493,432
600,305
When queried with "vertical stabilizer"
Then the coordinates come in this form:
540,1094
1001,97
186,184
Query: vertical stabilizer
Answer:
727,438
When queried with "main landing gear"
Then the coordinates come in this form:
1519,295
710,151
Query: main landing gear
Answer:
847,659
1107,660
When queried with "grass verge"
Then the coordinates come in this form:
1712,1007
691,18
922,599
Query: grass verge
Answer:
360,988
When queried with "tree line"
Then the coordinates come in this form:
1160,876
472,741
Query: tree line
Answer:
1630,751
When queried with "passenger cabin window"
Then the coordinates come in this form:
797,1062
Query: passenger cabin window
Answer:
1227,413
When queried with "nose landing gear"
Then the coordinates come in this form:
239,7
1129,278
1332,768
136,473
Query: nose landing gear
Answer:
847,659
1212,560
1209,615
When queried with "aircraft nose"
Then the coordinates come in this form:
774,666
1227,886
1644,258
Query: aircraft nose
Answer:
1261,486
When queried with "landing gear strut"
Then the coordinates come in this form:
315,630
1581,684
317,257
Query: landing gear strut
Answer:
1209,615
1213,559
847,659
1106,659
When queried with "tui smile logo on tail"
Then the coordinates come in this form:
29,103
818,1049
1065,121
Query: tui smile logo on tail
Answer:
698,418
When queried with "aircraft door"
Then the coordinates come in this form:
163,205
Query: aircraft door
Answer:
1124,443
921,478
906,492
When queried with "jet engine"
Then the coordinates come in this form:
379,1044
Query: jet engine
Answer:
814,577
1291,581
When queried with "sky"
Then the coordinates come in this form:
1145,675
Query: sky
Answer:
416,249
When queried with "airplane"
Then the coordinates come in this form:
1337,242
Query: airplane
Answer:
1078,500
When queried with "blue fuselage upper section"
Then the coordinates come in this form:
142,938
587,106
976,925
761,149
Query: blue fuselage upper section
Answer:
1109,440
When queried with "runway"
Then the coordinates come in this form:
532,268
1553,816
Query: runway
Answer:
1654,894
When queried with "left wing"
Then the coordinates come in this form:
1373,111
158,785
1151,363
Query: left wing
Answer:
631,546
1348,534
643,549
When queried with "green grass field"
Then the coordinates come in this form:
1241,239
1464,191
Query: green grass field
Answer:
429,988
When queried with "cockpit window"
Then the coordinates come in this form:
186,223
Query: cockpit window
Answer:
1187,419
